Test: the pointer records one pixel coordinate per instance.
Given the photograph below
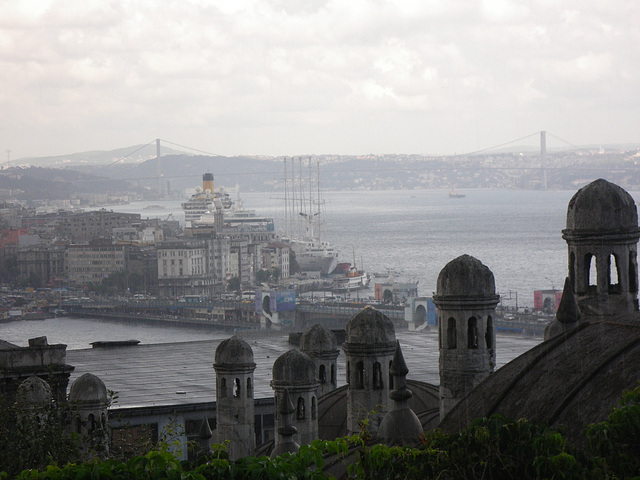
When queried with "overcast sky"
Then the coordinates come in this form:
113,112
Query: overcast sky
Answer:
290,77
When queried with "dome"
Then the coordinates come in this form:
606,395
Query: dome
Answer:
370,326
294,368
88,388
318,339
602,206
233,351
465,276
34,391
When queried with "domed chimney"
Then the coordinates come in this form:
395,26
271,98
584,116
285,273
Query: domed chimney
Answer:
602,237
466,300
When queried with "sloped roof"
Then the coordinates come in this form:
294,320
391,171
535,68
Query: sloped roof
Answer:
332,409
573,379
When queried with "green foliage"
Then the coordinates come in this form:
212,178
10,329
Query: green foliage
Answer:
35,437
233,285
497,447
491,448
614,444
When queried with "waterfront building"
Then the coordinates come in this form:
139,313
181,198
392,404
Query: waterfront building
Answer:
85,226
94,261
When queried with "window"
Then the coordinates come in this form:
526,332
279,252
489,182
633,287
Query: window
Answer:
300,410
488,336
377,376
322,374
236,388
249,391
452,335
472,333
359,375
614,280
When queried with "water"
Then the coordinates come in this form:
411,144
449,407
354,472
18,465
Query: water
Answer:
516,233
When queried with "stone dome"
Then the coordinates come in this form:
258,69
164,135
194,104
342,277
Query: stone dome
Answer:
34,391
318,339
370,326
465,276
233,351
602,206
294,368
88,389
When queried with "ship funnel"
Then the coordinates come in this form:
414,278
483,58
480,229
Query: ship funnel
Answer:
207,182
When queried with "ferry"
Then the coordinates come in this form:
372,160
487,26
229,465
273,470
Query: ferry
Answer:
352,279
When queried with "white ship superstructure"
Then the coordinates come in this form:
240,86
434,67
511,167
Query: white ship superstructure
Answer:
203,201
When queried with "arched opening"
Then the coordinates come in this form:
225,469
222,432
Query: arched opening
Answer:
266,304
377,376
472,333
236,388
488,335
300,410
322,374
91,420
391,387
452,334
359,375
439,334
222,391
314,408
78,424
348,372
249,388
387,296
614,278
592,273
420,316
334,381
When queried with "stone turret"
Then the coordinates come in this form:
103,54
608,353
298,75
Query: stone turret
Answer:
466,300
295,372
400,426
234,368
369,349
89,400
602,236
320,344
286,430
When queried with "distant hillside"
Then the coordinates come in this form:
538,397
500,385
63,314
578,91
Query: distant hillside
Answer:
36,183
132,154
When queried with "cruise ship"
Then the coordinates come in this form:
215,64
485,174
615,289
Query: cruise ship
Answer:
203,201
237,219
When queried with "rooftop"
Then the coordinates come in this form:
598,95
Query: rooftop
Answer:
182,373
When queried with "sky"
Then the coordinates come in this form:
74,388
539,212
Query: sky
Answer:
302,77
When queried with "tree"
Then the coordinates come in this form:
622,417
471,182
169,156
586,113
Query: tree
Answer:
233,285
294,267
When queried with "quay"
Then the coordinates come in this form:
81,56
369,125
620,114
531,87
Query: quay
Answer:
242,315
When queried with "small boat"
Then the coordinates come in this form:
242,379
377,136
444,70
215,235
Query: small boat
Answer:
454,194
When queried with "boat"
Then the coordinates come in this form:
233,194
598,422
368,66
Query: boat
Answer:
202,201
237,219
304,221
454,194
349,279
154,207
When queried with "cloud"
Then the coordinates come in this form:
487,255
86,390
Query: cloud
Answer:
224,76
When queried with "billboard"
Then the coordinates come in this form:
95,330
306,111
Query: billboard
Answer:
279,300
